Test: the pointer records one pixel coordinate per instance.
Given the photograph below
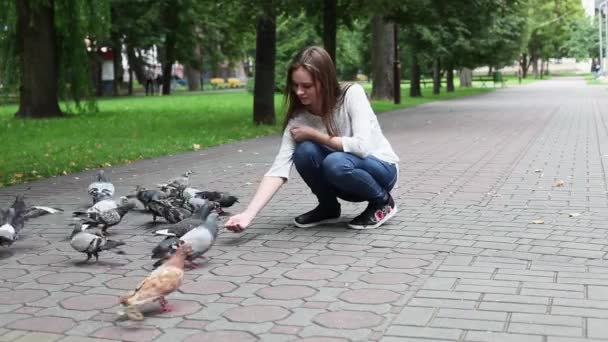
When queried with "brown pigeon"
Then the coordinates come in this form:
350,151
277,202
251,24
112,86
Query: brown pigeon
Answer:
160,283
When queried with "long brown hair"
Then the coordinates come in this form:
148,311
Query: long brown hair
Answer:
318,63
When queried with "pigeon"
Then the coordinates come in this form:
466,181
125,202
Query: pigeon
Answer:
147,196
202,237
99,207
12,221
189,193
91,244
107,218
224,199
178,184
160,283
37,211
181,181
101,188
179,229
165,209
164,250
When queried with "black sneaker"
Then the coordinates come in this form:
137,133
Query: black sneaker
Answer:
317,216
374,215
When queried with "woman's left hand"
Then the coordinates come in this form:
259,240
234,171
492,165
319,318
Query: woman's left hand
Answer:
304,133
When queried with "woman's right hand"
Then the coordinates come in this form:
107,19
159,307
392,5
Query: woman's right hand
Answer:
239,222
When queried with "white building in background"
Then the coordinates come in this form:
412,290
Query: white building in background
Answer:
590,6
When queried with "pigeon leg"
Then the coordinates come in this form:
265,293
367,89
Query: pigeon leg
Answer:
89,255
164,304
96,256
193,265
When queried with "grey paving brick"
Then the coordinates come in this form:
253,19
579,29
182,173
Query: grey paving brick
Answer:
545,329
414,316
424,332
483,336
597,328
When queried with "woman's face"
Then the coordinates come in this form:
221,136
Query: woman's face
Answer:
305,88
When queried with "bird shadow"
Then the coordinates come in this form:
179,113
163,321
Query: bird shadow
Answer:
93,263
6,253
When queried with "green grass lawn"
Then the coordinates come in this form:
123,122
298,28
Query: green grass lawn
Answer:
131,128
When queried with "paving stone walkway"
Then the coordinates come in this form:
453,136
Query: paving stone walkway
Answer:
463,259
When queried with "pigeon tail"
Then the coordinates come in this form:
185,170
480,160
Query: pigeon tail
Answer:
111,244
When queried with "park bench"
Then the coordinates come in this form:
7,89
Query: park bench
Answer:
424,81
496,78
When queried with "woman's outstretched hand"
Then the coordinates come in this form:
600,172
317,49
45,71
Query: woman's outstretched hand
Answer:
238,222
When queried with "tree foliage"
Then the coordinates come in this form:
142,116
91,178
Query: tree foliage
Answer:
72,21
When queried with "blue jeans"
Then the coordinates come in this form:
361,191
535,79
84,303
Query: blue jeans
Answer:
331,174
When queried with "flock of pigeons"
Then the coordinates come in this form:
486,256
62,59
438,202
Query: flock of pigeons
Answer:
191,213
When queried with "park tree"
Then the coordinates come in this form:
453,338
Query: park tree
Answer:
549,25
43,51
582,41
382,55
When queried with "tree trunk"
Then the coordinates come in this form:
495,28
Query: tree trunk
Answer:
547,67
168,62
192,73
130,86
490,69
382,58
449,77
172,22
542,68
193,76
135,65
466,77
523,63
415,77
436,76
535,66
36,41
118,72
265,54
330,27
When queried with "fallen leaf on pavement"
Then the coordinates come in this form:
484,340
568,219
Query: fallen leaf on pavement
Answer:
559,183
538,222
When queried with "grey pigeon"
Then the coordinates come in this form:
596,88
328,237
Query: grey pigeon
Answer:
181,181
147,196
37,211
202,237
181,228
164,250
224,199
12,221
173,212
178,184
101,188
107,218
91,244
